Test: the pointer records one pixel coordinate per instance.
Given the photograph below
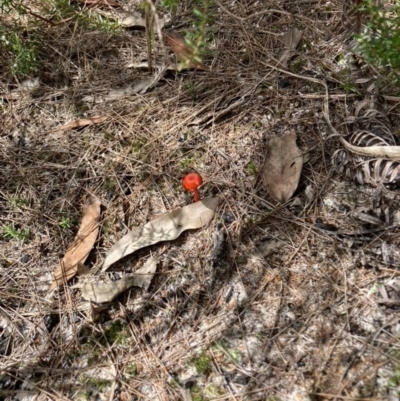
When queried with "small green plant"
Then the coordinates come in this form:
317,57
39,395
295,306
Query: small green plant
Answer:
186,162
191,89
93,354
237,128
11,232
65,223
138,145
229,354
7,6
109,184
131,369
261,335
196,394
24,52
379,41
170,4
394,379
16,201
197,40
251,220
251,167
97,22
212,391
349,87
296,65
116,333
187,268
202,363
95,382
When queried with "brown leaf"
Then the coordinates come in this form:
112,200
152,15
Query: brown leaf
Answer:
290,40
82,122
106,292
282,169
183,51
82,245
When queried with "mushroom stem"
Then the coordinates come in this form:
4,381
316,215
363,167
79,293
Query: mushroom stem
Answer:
196,195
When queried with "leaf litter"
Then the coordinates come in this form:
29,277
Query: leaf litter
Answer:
165,228
295,299
187,60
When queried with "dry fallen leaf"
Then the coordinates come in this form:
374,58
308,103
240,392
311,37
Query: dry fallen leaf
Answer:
82,245
140,87
282,169
165,228
82,122
106,292
184,52
291,40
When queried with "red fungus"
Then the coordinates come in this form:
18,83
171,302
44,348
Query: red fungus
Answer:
191,182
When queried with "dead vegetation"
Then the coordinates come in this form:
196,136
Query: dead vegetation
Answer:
267,302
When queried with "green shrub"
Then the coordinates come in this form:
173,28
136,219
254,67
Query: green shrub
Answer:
379,42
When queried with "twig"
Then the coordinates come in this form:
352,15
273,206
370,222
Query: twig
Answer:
30,12
149,30
156,20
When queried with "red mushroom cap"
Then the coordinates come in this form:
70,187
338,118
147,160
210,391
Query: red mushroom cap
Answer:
192,181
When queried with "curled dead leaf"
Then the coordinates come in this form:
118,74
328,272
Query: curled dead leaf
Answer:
291,40
106,292
282,169
81,246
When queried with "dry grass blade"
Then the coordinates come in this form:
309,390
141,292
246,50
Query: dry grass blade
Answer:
282,169
82,245
82,122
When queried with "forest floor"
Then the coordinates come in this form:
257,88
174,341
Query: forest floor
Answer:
299,302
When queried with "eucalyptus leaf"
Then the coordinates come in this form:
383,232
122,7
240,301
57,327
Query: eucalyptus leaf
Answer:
165,228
